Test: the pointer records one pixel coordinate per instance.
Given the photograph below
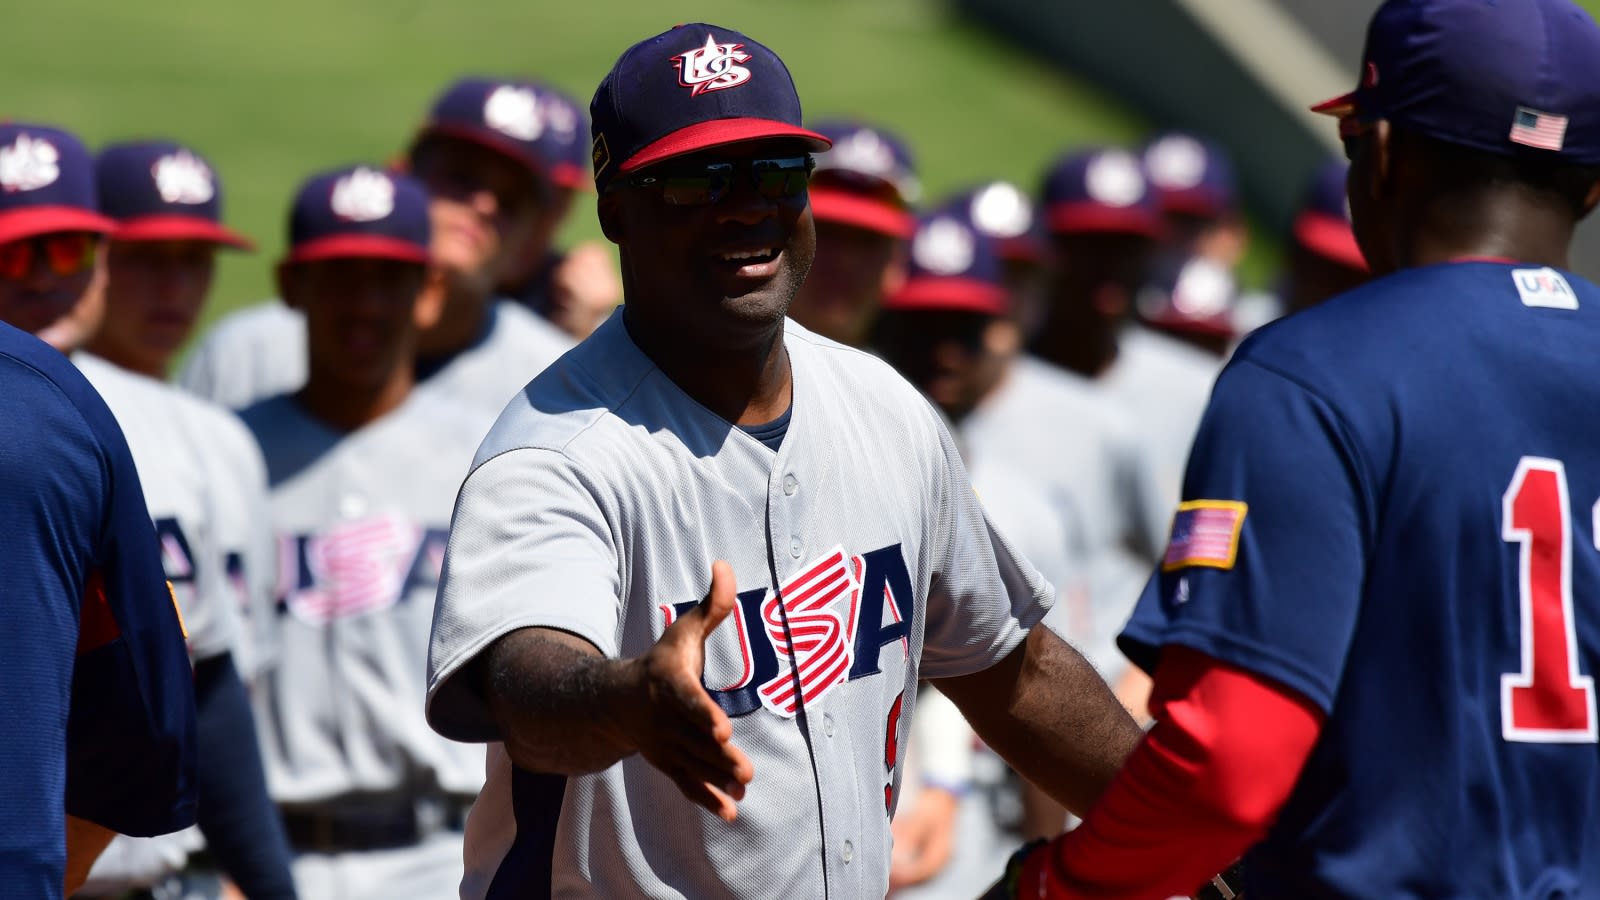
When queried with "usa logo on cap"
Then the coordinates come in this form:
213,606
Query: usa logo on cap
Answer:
514,110
182,178
28,164
365,195
714,67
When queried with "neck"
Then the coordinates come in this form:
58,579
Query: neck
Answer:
465,311
1086,345
1450,229
746,384
347,408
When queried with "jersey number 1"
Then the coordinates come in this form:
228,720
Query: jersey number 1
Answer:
1548,701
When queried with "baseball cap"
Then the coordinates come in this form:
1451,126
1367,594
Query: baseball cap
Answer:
359,212
1190,175
1005,213
516,119
46,184
158,191
689,89
565,138
867,179
1323,223
1501,77
1102,190
1197,295
953,267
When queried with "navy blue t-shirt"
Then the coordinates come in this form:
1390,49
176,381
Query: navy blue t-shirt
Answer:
1391,508
100,715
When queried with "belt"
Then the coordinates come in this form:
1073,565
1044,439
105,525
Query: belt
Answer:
336,830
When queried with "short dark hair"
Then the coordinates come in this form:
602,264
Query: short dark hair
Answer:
1455,167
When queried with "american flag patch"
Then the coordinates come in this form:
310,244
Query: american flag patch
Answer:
1541,130
1205,533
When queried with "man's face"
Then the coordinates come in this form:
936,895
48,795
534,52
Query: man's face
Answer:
853,270
52,286
953,356
153,298
360,315
720,272
484,207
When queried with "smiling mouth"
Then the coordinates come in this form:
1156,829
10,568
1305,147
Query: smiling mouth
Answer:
750,257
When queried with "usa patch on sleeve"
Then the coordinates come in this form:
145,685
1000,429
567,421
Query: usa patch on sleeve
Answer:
1205,533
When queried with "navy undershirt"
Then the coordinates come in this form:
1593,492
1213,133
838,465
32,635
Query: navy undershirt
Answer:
771,433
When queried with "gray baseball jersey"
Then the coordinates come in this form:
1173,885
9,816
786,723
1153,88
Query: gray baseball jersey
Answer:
261,352
1057,431
361,520
597,506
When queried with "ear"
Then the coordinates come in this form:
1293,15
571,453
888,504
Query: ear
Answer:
609,209
1379,146
1003,338
1590,199
288,287
898,269
431,295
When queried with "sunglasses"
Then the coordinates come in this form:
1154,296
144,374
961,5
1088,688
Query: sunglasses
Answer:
706,183
67,253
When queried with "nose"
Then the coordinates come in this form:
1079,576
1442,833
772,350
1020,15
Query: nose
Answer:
484,202
744,204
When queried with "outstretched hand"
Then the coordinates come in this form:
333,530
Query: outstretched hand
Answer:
683,732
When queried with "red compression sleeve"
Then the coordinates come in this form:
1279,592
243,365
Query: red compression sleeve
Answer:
1201,788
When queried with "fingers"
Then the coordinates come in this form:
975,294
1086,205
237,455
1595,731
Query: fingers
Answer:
720,599
703,793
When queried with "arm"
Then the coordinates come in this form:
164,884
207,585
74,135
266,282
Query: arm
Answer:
85,842
1048,713
562,707
240,824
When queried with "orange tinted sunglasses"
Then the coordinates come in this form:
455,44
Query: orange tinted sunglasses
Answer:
66,253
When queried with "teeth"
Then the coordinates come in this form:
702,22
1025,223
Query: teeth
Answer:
748,254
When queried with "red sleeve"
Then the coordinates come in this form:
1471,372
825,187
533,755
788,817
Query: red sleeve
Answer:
1201,788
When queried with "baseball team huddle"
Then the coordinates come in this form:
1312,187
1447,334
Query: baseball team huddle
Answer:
841,542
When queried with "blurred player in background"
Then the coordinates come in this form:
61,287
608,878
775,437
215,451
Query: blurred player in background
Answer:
100,728
1324,258
861,198
1006,215
1375,666
1198,193
166,203
480,157
951,330
575,290
363,472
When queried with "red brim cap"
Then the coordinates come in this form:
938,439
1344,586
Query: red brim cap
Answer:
950,293
357,246
1097,218
1194,202
1329,237
1221,326
1025,248
179,228
861,211
1342,105
570,176
31,221
486,138
718,133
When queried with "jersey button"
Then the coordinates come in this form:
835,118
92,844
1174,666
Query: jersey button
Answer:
848,851
790,485
827,725
794,547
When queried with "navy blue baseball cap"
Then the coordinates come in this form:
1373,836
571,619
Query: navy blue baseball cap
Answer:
1004,212
162,191
1502,77
1101,191
46,184
1196,295
359,212
1191,175
868,180
565,138
511,117
953,267
1322,224
689,89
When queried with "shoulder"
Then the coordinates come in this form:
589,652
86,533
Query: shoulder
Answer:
860,377
1052,393
518,326
40,385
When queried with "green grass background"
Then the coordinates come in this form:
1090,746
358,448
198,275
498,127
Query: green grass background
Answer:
274,91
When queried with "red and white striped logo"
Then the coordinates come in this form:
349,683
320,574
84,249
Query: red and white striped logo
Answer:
358,568
823,635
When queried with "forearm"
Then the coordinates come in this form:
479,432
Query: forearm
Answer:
1059,725
558,702
85,842
238,819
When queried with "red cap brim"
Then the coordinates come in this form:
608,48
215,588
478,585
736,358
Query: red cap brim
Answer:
1079,218
31,221
1023,248
1221,326
861,211
1342,105
950,293
1329,237
1194,202
357,246
718,133
167,227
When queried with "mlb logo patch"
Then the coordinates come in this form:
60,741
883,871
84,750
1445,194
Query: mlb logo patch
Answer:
1545,288
1205,533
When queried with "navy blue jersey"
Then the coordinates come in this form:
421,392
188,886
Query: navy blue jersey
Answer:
98,702
1391,509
